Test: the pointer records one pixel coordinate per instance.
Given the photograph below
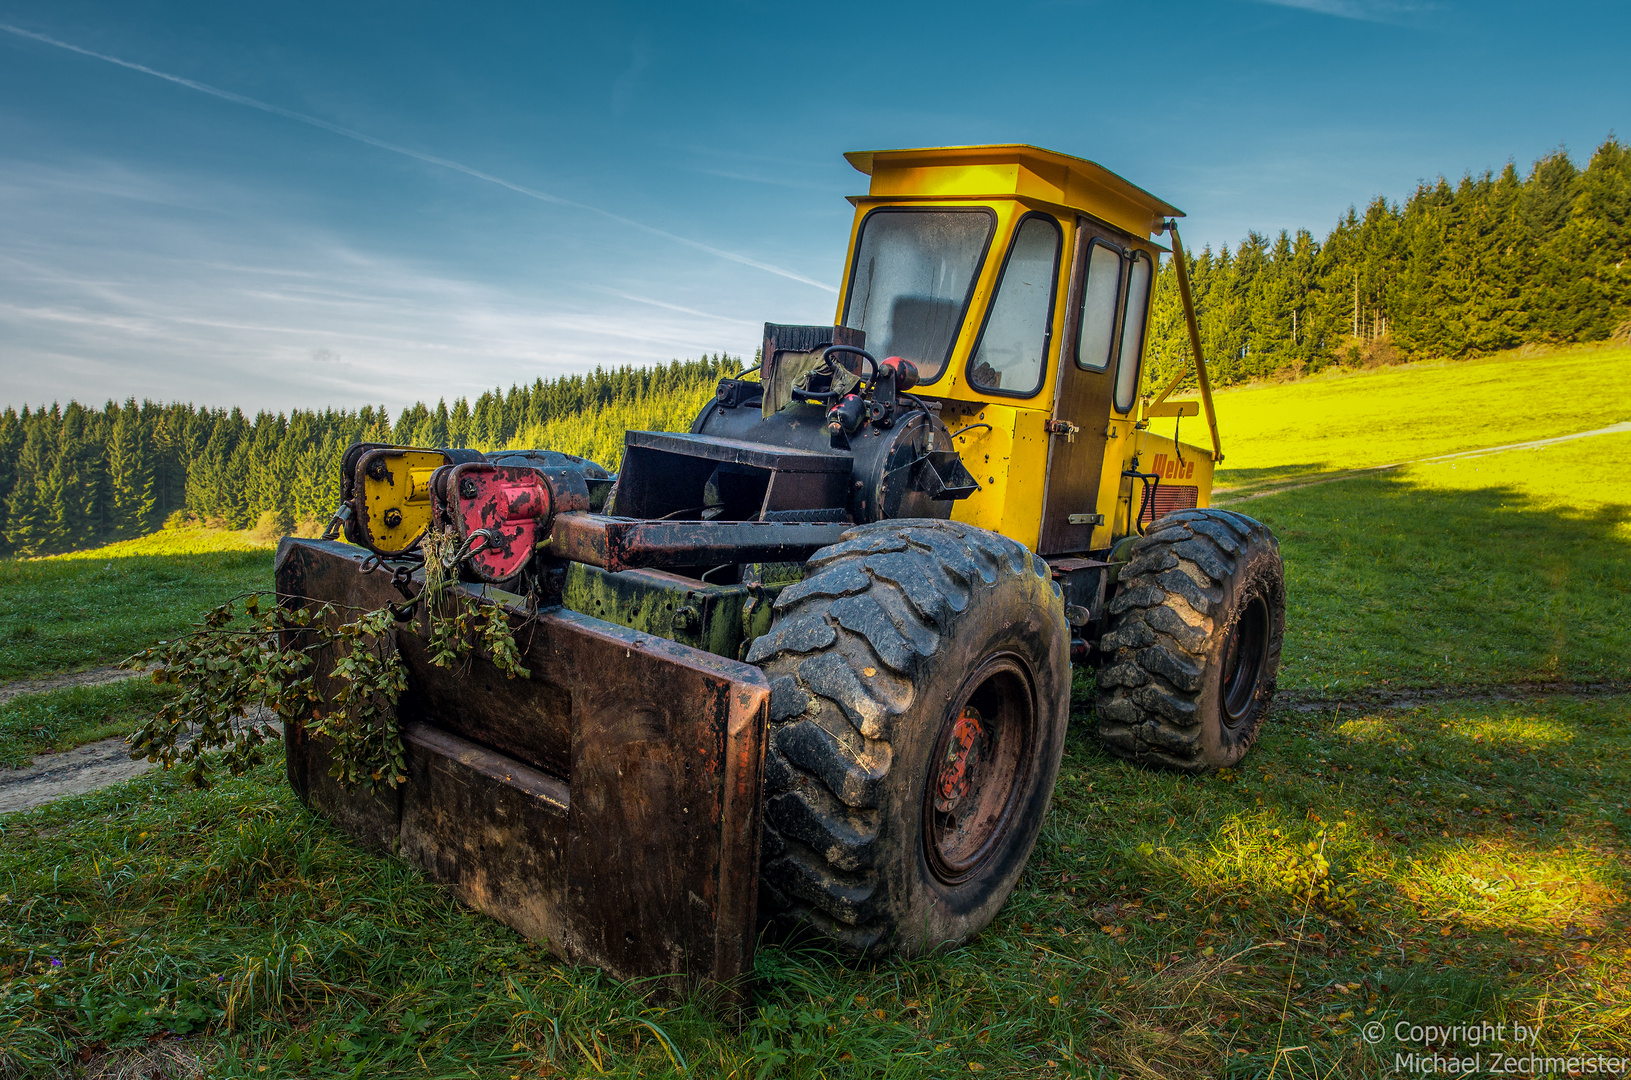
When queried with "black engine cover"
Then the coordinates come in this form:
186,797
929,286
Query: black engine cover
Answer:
907,469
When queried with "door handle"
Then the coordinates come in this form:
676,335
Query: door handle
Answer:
1061,427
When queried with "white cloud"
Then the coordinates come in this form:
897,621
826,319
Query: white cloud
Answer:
107,292
1364,10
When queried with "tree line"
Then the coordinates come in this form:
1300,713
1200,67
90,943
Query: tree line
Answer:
1493,262
76,477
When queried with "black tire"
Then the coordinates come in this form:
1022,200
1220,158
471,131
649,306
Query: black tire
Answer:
1194,641
872,660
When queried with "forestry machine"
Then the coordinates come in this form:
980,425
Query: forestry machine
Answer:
810,662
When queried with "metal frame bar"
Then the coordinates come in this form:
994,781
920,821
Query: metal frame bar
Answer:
1182,268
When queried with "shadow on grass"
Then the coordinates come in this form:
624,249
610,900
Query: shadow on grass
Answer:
1448,865
59,615
1390,583
1239,481
1167,926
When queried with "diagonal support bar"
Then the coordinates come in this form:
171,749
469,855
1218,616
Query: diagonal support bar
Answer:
1181,266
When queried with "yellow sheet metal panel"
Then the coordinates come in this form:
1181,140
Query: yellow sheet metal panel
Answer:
1180,472
1113,487
1014,169
1009,460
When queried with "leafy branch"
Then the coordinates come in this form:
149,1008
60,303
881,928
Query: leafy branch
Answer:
252,664
236,675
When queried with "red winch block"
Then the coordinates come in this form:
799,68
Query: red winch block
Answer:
506,509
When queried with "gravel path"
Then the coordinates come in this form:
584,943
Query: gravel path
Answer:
94,677
72,772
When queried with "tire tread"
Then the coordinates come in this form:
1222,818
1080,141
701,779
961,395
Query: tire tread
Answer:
873,609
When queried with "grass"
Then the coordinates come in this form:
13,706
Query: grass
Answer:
97,607
1457,862
62,719
1502,569
1450,864
1273,433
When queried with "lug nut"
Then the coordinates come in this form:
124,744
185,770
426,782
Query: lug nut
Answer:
393,518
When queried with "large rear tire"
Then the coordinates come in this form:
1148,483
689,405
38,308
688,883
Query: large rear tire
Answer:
920,681
1194,642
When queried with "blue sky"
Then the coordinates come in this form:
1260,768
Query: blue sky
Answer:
273,205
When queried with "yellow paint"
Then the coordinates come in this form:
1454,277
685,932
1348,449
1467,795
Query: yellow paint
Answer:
1010,459
1010,462
1171,408
1015,170
1126,442
405,488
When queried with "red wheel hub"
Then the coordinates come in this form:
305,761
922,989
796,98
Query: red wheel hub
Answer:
962,755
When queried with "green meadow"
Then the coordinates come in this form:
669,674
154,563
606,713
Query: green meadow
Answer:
1432,830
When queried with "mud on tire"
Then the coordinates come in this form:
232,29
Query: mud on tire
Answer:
1194,640
920,689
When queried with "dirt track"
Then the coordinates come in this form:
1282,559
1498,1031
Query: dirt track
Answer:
94,677
72,772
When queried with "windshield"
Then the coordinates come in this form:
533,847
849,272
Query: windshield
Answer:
914,271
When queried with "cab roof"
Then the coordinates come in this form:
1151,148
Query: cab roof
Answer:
1009,170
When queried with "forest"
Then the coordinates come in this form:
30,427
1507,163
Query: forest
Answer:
75,477
1493,262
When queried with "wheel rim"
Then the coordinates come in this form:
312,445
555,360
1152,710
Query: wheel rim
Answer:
980,765
1243,662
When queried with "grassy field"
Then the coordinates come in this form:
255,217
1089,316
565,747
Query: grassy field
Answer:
68,612
61,719
1357,419
1456,862
94,608
1449,865
1502,569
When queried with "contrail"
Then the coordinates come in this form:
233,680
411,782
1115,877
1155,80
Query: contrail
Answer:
429,159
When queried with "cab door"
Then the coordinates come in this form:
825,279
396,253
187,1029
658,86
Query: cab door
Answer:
1088,362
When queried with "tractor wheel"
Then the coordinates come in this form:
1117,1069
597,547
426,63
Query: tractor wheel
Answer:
920,689
1194,642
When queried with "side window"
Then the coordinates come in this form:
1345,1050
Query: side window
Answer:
1132,330
1096,327
1013,346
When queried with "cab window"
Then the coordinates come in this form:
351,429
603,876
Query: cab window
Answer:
1139,274
913,275
1013,348
1096,327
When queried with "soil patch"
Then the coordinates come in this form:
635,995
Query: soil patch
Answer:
98,676
72,772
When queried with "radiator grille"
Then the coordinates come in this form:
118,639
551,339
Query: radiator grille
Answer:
1171,497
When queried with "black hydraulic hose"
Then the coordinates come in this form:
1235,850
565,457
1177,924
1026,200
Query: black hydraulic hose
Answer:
858,351
1151,481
